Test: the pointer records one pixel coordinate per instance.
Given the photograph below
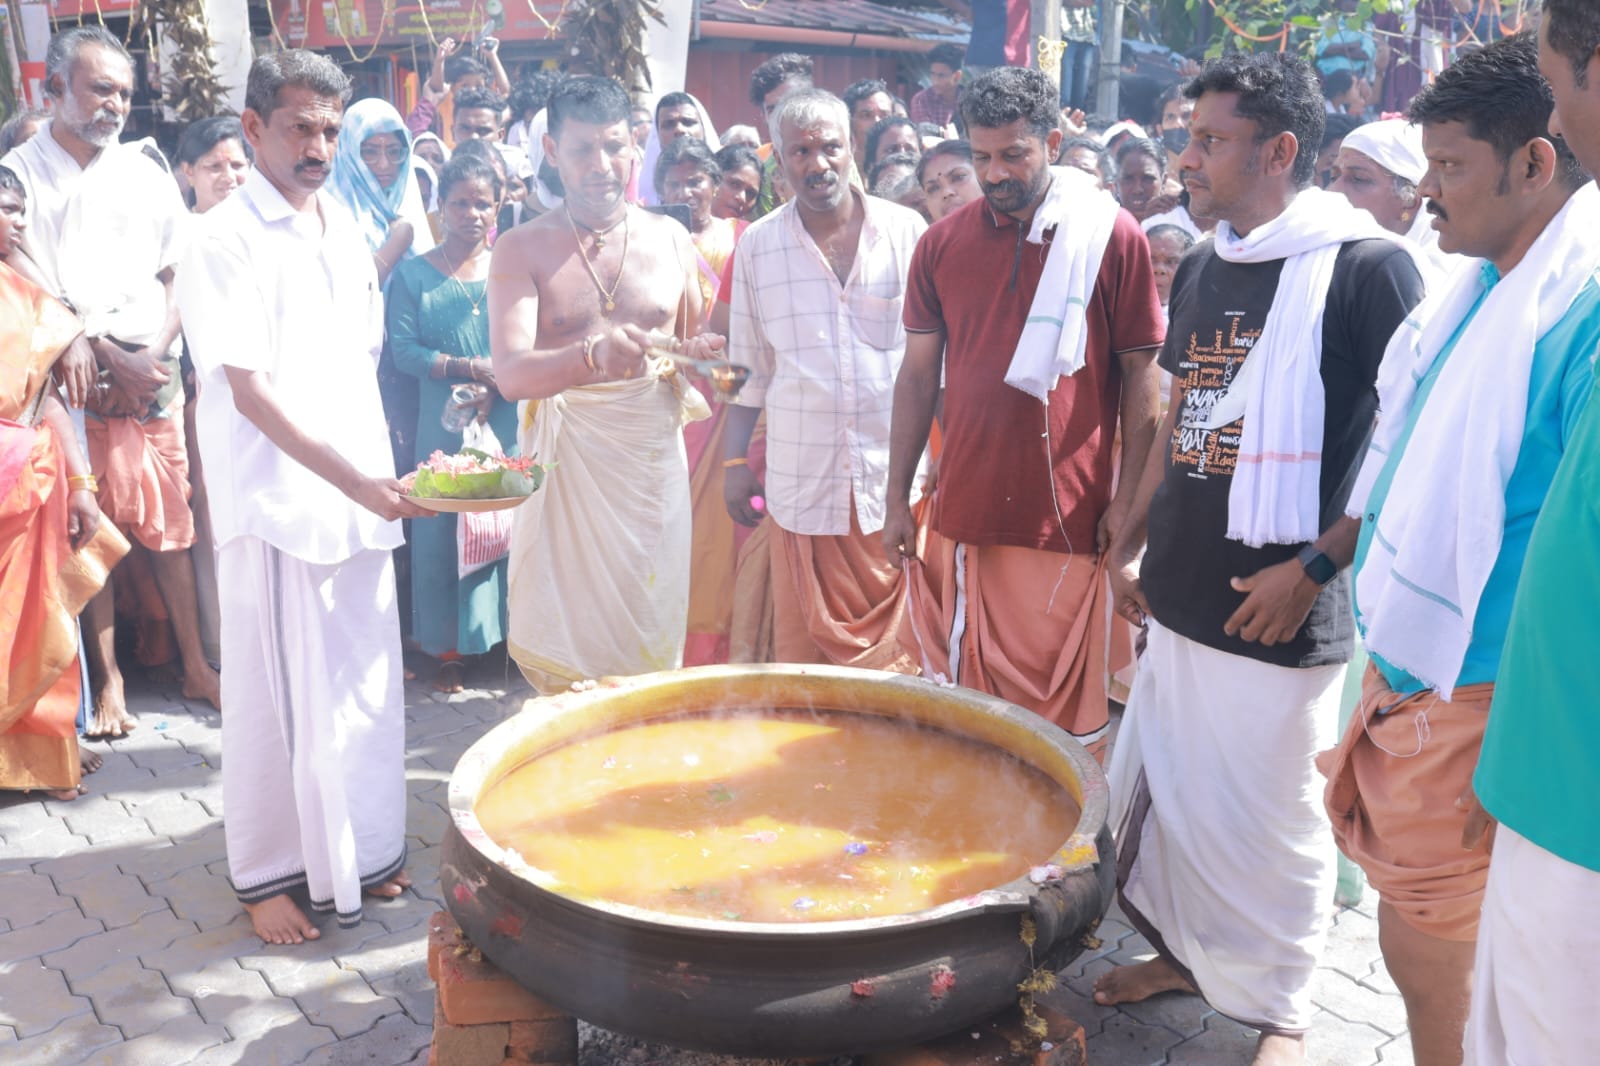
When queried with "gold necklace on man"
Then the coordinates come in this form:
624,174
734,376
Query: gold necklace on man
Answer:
608,296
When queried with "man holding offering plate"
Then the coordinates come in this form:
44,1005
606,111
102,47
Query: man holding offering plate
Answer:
282,311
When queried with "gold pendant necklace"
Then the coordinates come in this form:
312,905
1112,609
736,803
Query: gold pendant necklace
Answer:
609,297
450,272
599,235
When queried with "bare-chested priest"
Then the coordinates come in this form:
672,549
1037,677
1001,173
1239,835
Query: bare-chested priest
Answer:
599,556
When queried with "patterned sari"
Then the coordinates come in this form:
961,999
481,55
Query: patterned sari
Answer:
43,582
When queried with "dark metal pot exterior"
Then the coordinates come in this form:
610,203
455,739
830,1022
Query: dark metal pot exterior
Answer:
799,991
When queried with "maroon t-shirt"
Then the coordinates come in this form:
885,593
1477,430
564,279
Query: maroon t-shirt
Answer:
973,276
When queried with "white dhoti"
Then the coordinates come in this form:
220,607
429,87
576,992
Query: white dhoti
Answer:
599,569
1225,856
313,744
1538,964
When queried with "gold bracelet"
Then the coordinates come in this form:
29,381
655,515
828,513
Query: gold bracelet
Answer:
89,482
729,464
588,353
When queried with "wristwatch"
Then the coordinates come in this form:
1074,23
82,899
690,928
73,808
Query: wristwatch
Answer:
1318,567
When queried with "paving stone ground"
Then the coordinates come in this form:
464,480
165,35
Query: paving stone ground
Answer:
121,942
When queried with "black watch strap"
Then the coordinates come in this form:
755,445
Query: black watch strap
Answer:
1318,567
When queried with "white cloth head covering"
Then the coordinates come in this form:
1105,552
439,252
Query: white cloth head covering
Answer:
548,200
652,152
1394,144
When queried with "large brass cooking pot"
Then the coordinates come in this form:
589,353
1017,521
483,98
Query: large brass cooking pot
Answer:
793,989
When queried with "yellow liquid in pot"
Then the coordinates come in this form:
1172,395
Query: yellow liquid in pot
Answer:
778,816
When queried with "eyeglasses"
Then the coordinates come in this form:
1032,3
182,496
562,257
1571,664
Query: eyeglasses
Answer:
372,153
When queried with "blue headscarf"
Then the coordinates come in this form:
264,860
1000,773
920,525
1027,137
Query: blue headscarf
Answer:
355,185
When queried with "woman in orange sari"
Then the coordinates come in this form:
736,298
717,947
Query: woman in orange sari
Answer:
54,550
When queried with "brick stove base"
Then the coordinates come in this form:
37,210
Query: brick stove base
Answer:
484,1018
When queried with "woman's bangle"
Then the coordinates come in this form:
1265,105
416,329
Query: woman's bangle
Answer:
86,482
729,464
588,353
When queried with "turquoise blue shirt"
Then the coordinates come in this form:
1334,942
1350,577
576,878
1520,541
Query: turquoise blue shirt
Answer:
1559,385
1539,771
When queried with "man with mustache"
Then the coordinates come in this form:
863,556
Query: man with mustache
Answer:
1009,590
1277,329
105,224
582,302
1446,509
818,290
1533,997
284,318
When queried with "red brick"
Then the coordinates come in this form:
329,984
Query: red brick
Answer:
473,989
993,1045
467,1045
441,934
552,1041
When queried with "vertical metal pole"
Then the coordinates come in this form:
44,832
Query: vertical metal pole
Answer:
1045,21
1106,100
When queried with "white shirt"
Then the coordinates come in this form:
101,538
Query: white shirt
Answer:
823,360
101,233
1179,216
268,288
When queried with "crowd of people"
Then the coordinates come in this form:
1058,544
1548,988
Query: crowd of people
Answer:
1027,392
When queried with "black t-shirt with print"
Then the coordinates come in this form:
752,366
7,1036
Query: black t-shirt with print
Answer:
1218,309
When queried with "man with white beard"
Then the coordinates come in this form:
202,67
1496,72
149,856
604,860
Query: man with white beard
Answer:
104,220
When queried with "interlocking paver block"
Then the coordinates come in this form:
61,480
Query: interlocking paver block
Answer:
1344,998
166,758
1354,950
396,966
132,998
395,1039
158,862
47,839
1397,1052
1124,1040
326,993
177,1041
67,1042
30,898
170,815
205,898
117,899
33,998
119,776
1336,1042
105,821
1223,1043
54,933
227,994
190,954
95,953
288,1043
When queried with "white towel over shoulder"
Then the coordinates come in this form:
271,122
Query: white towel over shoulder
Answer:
1444,516
1055,338
1276,493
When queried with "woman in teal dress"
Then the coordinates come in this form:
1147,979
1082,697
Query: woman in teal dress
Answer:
439,333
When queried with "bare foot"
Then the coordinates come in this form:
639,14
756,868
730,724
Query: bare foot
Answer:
1130,984
203,683
278,921
64,795
450,676
89,761
1275,1049
392,887
111,717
